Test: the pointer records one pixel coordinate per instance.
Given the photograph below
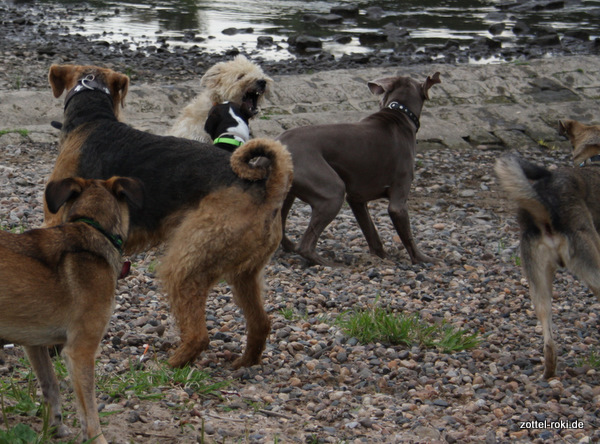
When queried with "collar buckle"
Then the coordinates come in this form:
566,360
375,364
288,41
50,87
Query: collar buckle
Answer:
400,107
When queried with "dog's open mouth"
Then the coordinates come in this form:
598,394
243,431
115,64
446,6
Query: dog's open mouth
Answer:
252,97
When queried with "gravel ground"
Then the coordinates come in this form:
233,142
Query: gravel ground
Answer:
315,384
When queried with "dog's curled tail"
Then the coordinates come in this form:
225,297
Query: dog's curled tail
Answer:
515,177
261,159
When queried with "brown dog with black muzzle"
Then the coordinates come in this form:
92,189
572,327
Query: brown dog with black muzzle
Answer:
218,214
57,286
363,161
559,216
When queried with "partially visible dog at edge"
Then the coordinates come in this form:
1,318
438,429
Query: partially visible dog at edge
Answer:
227,125
218,215
363,161
559,218
57,286
238,80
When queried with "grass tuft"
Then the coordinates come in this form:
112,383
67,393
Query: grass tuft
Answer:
380,325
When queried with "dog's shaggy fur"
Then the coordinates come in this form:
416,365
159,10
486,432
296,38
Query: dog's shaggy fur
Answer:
239,81
219,216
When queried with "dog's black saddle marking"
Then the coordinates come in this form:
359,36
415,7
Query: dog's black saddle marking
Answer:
412,116
88,83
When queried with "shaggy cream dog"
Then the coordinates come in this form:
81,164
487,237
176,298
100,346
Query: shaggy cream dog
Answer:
239,81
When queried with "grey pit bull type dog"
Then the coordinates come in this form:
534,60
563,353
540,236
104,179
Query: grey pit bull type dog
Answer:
363,161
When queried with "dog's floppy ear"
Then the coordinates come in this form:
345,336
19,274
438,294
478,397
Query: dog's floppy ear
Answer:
59,77
127,188
118,85
429,82
58,192
380,86
212,121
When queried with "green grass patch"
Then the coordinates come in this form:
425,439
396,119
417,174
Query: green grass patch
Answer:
592,360
22,132
150,383
380,325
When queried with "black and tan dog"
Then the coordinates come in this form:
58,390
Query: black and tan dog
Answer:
57,286
219,216
559,217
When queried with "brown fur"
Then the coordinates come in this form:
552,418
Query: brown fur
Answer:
585,139
559,213
228,226
57,287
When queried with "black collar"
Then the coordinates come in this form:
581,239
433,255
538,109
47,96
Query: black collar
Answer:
412,116
88,83
114,239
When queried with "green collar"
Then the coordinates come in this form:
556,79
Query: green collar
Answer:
114,239
228,141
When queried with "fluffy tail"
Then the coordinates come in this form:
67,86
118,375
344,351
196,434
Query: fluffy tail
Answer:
515,177
261,159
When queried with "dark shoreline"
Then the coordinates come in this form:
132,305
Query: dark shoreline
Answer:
33,38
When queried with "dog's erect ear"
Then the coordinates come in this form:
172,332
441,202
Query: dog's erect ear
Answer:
59,78
118,85
380,86
429,82
564,127
60,191
127,188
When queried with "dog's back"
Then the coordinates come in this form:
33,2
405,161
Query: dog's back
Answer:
551,200
177,173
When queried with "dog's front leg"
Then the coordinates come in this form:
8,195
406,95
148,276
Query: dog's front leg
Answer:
398,211
80,364
44,371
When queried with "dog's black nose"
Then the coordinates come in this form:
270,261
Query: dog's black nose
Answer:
262,83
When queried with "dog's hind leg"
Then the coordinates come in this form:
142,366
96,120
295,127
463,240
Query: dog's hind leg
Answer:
539,266
247,292
361,212
585,262
286,243
42,366
325,202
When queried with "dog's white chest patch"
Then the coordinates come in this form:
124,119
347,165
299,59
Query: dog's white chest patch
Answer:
241,129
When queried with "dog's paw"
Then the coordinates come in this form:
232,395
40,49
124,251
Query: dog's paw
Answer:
245,361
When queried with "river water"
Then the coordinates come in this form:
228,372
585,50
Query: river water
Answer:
430,22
